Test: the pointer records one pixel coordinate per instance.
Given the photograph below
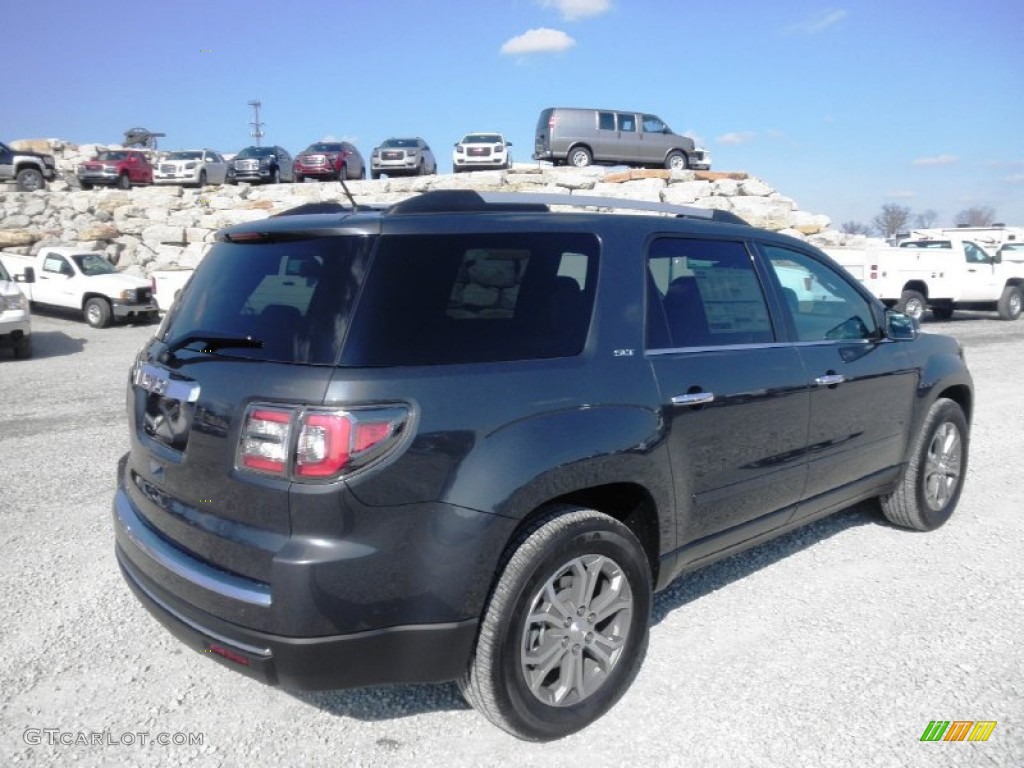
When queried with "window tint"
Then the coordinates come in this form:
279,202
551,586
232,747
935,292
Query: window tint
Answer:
821,302
295,297
606,121
704,293
627,123
653,124
474,298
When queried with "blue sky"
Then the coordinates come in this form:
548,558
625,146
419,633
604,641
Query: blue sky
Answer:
842,106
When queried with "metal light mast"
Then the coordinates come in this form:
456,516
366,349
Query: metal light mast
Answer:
257,126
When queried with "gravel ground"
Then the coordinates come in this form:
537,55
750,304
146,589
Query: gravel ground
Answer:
833,646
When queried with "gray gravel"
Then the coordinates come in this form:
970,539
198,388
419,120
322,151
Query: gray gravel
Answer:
834,646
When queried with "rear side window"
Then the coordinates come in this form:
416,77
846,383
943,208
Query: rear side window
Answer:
450,299
294,297
704,293
606,121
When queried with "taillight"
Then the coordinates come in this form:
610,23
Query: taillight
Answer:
317,443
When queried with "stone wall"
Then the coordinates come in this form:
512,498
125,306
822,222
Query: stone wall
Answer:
149,228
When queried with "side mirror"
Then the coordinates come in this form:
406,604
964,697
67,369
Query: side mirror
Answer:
900,327
997,259
27,276
508,143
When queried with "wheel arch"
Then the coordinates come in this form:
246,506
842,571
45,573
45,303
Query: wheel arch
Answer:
93,295
916,285
579,145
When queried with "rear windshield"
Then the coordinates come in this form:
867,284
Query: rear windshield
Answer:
449,299
428,300
294,297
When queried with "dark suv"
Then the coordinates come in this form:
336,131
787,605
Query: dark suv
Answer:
467,437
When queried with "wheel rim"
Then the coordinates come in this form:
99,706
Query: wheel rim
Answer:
676,163
94,314
31,181
575,630
579,159
943,466
914,308
1014,303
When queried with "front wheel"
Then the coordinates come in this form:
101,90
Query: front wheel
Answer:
97,312
934,477
123,182
566,627
913,304
23,348
676,161
202,179
1009,304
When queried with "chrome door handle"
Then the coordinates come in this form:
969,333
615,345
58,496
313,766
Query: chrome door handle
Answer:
694,398
830,380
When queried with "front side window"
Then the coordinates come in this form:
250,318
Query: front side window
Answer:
653,124
704,293
448,299
824,306
57,265
974,254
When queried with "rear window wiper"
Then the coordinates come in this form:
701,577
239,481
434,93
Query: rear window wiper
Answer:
212,342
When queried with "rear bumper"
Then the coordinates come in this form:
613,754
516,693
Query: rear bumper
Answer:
407,654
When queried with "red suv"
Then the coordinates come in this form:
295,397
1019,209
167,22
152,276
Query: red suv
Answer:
330,160
121,168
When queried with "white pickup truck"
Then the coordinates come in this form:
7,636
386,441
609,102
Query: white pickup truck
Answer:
15,322
73,279
941,274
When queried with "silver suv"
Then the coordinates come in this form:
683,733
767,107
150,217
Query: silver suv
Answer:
402,157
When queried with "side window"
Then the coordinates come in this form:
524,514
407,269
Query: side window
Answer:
653,124
627,123
704,293
57,265
606,121
974,254
822,303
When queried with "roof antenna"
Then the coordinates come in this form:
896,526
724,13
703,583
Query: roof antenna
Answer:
344,186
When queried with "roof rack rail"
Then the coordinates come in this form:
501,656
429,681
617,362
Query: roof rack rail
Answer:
467,200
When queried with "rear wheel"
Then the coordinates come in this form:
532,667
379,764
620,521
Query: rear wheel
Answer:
29,180
566,627
912,303
934,477
86,185
1009,304
676,161
580,157
942,311
299,178
97,312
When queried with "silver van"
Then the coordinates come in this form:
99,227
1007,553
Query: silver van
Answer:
582,137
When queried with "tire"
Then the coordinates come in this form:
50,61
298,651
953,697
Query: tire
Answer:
97,312
299,178
579,157
123,182
934,477
29,180
912,304
546,563
86,185
676,161
362,173
422,169
23,348
1009,304
374,175
275,177
202,179
942,312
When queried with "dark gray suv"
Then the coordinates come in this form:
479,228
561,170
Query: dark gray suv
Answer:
467,437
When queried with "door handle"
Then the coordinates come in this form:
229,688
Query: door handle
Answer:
694,398
830,380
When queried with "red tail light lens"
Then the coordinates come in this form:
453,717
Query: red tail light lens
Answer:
317,444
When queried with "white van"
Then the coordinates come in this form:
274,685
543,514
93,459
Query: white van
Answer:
581,137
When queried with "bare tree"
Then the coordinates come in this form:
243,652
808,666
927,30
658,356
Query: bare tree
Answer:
893,218
926,219
982,216
855,228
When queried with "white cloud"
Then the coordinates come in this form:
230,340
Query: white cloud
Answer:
541,40
776,134
1016,178
572,10
736,137
819,22
936,160
901,194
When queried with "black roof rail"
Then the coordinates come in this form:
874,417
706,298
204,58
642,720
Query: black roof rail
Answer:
467,200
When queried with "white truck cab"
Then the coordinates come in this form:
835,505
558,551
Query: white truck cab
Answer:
15,321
